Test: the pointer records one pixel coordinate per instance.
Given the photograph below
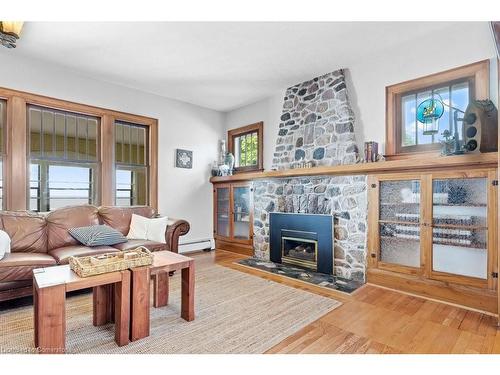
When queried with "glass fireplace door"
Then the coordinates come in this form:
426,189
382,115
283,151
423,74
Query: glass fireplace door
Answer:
299,250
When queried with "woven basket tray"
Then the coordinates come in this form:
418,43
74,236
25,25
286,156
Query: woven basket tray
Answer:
111,262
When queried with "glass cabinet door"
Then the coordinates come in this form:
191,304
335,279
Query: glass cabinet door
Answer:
223,212
399,222
241,212
459,226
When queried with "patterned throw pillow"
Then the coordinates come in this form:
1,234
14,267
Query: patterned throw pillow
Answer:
97,235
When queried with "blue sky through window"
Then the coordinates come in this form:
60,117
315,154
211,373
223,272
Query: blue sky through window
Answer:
413,130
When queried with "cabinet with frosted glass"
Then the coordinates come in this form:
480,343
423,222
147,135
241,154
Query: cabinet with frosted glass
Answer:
233,217
437,233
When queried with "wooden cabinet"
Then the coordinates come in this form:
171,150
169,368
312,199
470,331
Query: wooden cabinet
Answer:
435,234
233,217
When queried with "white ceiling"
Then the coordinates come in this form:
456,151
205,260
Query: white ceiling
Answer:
216,65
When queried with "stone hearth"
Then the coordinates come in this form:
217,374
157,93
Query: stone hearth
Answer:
308,276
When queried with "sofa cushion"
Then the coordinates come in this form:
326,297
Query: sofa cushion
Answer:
150,245
27,231
63,219
8,285
20,266
97,235
62,254
120,217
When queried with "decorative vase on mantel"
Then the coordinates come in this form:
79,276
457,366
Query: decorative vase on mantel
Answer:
222,151
229,161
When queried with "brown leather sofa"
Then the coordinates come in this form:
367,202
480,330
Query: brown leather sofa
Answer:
43,240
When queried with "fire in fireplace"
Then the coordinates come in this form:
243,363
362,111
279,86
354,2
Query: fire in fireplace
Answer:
302,240
299,248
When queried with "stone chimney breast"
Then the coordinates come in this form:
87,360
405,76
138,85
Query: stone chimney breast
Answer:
317,124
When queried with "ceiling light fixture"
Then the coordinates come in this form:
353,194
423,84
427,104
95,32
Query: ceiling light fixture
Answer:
9,33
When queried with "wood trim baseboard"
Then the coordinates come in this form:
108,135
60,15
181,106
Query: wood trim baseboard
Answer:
234,247
432,299
479,299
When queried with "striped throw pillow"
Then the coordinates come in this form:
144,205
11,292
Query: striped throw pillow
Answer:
97,235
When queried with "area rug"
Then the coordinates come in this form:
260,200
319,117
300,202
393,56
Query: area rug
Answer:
235,313
307,276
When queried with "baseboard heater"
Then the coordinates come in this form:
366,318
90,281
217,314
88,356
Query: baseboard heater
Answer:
197,245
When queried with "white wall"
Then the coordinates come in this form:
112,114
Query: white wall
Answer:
459,45
182,193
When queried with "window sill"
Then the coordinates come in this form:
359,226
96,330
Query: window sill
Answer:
249,170
414,155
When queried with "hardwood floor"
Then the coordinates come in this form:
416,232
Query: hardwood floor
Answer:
377,320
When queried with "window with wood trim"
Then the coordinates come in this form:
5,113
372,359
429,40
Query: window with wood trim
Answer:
3,120
63,158
61,153
246,144
131,158
457,87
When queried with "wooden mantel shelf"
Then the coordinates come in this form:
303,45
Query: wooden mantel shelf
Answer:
487,160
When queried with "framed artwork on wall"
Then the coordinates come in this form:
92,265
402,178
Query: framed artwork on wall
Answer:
183,158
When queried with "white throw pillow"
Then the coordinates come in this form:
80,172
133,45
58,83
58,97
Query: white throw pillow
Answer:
4,243
138,228
142,228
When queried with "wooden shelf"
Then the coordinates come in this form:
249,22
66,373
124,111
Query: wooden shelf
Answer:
399,222
479,246
399,203
437,226
460,226
399,239
487,160
477,205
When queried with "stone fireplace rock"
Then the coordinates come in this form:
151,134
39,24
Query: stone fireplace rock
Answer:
317,124
344,197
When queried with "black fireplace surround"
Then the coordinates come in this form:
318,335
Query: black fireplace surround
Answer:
302,240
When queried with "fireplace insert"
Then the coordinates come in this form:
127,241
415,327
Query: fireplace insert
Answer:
302,240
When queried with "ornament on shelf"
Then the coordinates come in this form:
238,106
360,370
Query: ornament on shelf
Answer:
229,161
222,151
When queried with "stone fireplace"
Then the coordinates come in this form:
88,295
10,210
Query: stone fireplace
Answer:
317,125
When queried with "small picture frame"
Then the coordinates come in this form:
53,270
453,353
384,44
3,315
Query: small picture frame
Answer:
183,158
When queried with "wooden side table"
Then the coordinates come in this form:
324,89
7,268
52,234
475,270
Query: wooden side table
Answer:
111,304
164,262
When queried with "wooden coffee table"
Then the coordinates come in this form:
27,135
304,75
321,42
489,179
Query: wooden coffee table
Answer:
111,304
164,262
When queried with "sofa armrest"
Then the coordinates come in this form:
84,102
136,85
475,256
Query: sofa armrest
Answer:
175,229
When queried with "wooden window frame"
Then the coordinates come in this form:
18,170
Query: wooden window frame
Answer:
3,130
476,73
16,152
238,132
131,166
